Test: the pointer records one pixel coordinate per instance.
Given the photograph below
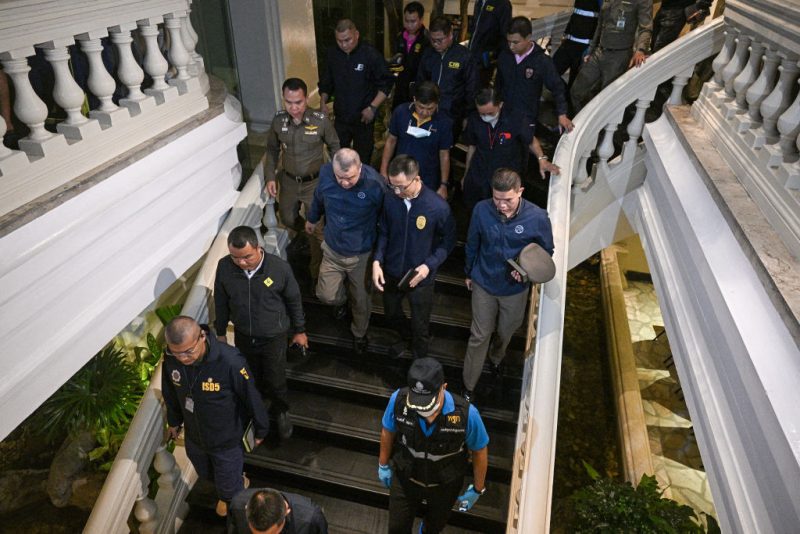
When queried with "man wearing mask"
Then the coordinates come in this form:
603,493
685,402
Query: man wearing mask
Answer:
424,133
451,67
356,74
426,438
496,139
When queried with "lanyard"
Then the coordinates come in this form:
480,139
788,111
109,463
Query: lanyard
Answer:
492,136
191,386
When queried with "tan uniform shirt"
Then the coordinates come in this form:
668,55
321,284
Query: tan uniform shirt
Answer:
302,144
624,25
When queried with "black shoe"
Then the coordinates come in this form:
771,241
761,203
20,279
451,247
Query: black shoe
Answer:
340,312
284,425
496,369
468,395
360,345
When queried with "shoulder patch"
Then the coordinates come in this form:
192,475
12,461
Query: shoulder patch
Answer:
282,113
243,372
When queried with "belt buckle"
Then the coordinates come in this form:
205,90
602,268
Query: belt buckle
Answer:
299,179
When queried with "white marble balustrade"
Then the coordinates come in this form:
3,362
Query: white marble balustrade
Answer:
131,105
753,107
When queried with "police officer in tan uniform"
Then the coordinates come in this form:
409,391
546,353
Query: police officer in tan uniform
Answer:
301,135
621,41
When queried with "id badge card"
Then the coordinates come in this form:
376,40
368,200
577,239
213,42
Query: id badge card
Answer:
189,405
621,21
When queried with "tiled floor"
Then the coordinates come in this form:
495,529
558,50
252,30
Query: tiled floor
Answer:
675,455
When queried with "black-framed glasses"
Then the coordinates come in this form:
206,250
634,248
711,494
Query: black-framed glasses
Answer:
185,353
401,188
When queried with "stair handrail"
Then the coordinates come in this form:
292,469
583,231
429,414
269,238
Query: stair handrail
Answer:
127,484
534,458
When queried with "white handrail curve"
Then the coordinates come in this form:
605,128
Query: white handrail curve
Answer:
128,481
532,475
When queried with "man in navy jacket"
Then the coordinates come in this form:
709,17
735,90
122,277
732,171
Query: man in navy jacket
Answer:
208,390
500,228
357,75
416,233
350,196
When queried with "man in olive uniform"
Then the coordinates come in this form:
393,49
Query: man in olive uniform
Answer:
301,135
621,41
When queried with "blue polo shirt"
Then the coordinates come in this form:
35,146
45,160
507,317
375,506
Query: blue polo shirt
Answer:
423,149
492,240
351,215
476,436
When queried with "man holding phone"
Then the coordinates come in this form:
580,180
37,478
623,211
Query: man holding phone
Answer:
416,233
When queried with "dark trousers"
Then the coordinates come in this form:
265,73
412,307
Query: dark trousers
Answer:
362,137
667,26
223,468
266,357
420,300
405,498
569,56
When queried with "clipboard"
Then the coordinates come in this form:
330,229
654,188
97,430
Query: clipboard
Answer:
249,437
402,285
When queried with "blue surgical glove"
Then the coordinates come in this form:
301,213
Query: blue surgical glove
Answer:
468,499
385,475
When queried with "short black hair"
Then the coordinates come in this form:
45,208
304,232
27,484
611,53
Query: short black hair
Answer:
241,236
295,84
487,95
404,164
415,7
181,328
505,179
426,92
441,24
343,25
265,509
521,25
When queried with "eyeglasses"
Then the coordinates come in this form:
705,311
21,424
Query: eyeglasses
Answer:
185,353
401,188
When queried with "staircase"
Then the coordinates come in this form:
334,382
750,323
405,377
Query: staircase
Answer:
337,401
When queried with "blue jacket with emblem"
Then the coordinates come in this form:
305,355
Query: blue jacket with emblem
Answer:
223,394
408,238
492,240
351,215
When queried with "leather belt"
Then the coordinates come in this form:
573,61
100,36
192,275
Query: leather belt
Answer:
303,179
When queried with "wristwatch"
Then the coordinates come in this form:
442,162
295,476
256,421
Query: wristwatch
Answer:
481,492
542,157
373,108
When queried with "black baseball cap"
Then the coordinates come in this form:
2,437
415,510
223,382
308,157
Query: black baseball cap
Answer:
425,379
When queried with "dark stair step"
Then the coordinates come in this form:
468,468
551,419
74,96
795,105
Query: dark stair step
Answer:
358,427
320,467
373,383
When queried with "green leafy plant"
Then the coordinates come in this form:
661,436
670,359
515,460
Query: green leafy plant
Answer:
103,394
608,505
169,312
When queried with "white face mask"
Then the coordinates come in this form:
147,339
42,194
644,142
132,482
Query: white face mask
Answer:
490,118
429,412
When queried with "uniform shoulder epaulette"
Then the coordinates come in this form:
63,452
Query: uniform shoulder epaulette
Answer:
282,113
318,115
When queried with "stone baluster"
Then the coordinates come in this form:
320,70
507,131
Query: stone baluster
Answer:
189,43
606,148
197,67
146,512
178,55
757,92
68,94
789,128
722,59
678,83
748,76
129,72
775,104
792,171
636,126
28,107
100,82
735,66
581,173
169,479
155,64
